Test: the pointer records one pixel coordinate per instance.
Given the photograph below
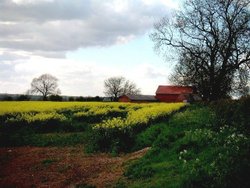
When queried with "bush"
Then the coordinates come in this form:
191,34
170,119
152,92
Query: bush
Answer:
234,113
55,98
110,140
137,171
224,163
79,98
8,98
71,99
23,98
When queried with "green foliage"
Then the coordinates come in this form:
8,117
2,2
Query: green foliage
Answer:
71,99
140,172
55,98
7,98
235,113
192,150
224,163
26,136
119,134
148,137
110,140
23,98
47,162
84,186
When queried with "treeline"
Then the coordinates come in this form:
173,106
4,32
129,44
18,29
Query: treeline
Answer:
13,97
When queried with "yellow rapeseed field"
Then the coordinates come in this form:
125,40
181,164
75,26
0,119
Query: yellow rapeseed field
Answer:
107,112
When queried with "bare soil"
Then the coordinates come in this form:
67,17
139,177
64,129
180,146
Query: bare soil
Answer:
61,167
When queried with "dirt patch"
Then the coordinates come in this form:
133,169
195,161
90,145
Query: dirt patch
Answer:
60,167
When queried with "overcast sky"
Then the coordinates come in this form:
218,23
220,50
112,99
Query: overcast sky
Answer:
82,43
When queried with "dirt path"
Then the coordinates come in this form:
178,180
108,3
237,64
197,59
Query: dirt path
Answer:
60,167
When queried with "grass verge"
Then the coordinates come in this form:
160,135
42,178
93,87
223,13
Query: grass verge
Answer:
193,149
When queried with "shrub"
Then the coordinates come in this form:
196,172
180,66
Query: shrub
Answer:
137,171
23,98
110,140
234,113
55,98
225,164
71,99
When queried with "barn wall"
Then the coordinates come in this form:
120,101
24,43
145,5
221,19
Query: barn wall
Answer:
142,101
159,97
167,97
124,99
182,98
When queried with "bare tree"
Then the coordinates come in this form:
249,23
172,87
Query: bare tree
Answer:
46,85
212,42
241,83
116,86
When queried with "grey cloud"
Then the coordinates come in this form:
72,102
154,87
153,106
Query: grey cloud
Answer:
153,73
8,56
45,10
51,54
7,71
51,28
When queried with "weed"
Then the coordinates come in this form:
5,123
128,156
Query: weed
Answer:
48,162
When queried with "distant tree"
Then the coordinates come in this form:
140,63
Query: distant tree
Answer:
211,40
241,83
79,98
55,98
71,99
46,85
8,98
115,87
98,98
23,98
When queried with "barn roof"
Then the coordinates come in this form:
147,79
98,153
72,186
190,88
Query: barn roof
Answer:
174,90
141,97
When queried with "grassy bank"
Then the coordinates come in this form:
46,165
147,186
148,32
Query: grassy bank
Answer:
199,147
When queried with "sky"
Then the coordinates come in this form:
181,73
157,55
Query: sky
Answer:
82,43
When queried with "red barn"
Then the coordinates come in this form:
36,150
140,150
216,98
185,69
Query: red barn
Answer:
174,93
137,98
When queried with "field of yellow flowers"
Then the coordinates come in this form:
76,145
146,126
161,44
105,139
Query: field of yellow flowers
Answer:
109,126
103,115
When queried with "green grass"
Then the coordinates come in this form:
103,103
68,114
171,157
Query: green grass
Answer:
28,137
190,150
47,162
